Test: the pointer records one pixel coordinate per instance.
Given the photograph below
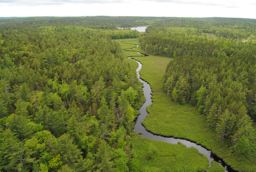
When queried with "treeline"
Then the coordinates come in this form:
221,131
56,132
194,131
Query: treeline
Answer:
189,41
222,89
215,74
93,22
225,27
67,101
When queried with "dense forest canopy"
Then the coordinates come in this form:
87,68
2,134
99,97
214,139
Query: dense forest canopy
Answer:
67,100
199,41
214,69
207,23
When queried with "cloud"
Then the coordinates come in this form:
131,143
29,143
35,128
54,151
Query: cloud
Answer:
170,8
217,3
56,2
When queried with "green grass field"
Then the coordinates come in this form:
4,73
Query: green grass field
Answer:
130,47
152,156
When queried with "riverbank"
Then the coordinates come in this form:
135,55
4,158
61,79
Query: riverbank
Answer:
149,155
171,119
176,157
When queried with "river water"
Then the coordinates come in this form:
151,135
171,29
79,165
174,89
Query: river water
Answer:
140,128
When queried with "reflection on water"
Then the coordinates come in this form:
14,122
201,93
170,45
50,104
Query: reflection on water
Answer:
137,28
140,28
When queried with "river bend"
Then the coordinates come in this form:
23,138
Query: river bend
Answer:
140,128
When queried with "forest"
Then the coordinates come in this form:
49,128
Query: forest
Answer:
60,109
213,69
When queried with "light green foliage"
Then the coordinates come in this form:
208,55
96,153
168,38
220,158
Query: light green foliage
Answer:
41,148
131,95
181,91
200,98
10,151
104,154
21,125
70,154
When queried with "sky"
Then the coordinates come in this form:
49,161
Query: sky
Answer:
168,8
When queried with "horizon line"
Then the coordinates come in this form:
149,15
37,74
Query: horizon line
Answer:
70,16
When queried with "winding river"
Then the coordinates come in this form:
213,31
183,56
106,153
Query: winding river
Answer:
140,128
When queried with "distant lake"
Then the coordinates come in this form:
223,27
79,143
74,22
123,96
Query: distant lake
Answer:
140,28
137,28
